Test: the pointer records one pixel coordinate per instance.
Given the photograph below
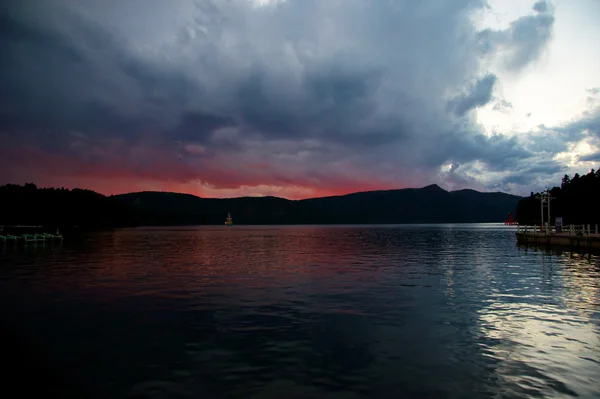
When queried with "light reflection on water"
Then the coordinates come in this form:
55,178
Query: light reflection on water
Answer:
305,311
548,326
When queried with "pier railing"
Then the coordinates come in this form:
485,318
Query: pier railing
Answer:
572,229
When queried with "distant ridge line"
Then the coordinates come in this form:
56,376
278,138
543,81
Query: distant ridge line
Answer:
428,187
28,205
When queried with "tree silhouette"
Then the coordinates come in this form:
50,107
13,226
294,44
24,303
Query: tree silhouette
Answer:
575,201
565,181
29,205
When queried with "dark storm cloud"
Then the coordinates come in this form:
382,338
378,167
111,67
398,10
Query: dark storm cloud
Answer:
477,96
266,111
198,126
365,83
336,104
336,98
498,152
159,87
15,31
47,79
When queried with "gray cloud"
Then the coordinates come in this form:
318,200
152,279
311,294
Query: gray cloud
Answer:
591,157
453,180
476,96
502,105
199,126
540,6
588,124
524,40
542,171
539,169
315,90
547,141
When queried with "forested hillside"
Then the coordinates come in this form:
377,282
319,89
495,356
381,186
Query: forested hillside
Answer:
576,200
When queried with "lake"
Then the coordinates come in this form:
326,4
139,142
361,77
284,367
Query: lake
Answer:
411,311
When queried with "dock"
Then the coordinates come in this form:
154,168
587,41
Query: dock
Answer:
580,237
27,234
576,237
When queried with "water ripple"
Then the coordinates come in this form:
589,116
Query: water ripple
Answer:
447,311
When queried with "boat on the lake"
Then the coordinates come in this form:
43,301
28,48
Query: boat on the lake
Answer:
229,220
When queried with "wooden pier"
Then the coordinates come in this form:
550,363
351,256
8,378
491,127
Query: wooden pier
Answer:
581,237
27,234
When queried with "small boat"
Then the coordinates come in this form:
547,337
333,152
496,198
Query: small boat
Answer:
229,220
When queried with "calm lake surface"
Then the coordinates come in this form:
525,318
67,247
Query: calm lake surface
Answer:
429,311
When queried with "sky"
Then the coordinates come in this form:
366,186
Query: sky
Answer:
298,98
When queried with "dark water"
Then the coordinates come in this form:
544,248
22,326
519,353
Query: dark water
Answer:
445,311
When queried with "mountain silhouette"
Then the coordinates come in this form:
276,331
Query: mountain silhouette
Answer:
51,207
430,204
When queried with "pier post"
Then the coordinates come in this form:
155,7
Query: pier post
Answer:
588,229
571,230
596,229
550,198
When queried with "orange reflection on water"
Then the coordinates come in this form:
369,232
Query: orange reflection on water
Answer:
222,259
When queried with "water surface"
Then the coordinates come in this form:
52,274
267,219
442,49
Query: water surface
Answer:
442,311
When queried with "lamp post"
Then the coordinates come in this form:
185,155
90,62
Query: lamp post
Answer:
549,198
542,198
545,198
